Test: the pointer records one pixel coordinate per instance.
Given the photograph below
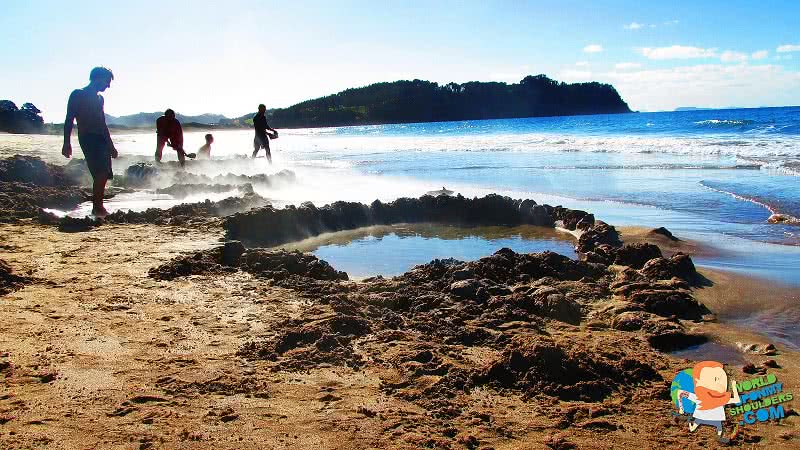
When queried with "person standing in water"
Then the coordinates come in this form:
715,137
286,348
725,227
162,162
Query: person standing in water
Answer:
86,107
205,151
169,132
262,138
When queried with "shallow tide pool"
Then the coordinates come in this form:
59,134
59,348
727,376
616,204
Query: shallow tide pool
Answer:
393,250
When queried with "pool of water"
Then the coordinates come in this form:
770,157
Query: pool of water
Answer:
712,351
393,250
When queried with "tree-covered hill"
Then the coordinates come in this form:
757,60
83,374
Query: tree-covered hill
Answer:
26,119
425,101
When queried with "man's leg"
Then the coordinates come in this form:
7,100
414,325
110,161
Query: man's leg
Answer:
160,143
256,146
98,191
269,155
182,157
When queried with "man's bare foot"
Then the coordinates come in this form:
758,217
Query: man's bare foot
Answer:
99,212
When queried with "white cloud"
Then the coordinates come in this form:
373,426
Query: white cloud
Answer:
761,54
671,22
788,48
677,52
572,76
582,63
627,66
633,26
593,48
712,85
731,56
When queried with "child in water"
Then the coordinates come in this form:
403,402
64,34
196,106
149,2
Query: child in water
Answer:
205,151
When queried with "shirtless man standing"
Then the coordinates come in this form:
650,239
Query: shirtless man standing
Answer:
86,106
262,138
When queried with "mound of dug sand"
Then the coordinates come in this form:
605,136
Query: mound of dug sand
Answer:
9,282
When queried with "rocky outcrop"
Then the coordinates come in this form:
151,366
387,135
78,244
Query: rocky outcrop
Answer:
678,266
271,226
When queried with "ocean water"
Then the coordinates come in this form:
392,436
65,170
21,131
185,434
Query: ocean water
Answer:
715,176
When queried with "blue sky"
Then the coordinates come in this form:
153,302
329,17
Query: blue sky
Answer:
226,57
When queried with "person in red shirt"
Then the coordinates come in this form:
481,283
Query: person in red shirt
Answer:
169,132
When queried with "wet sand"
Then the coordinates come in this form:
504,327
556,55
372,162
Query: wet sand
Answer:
97,354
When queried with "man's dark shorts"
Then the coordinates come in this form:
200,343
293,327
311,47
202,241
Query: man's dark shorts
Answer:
97,152
261,142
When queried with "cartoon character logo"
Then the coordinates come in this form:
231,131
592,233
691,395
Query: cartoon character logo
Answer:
701,393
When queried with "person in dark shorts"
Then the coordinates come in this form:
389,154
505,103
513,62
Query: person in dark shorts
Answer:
262,137
86,107
169,132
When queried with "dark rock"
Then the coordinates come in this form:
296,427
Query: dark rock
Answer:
600,234
573,219
679,266
664,232
749,368
141,174
636,255
231,253
466,289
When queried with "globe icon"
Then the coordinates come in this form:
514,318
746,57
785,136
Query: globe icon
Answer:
683,381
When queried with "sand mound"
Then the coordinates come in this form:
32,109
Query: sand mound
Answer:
275,265
29,169
28,184
541,365
318,343
9,282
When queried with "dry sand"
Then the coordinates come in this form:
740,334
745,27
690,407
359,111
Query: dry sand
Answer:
98,355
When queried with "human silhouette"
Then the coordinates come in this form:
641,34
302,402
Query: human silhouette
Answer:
169,132
86,107
205,151
262,137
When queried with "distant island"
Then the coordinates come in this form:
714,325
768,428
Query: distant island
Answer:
412,101
425,101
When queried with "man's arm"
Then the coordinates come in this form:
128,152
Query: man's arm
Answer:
735,398
66,150
113,149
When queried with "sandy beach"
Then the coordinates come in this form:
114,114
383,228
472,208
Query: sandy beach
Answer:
140,335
